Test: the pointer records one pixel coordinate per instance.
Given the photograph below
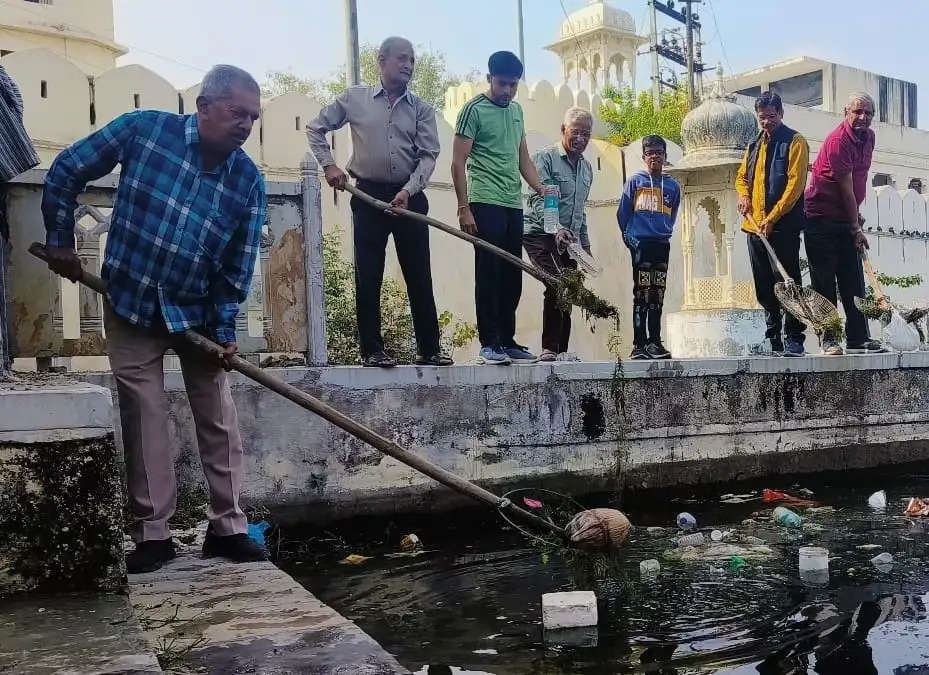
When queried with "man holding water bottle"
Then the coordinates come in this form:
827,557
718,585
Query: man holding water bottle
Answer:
548,231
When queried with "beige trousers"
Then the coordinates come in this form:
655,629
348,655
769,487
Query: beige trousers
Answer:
136,358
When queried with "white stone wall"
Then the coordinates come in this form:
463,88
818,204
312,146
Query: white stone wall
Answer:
278,143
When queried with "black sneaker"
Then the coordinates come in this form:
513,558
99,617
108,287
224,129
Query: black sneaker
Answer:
235,547
867,347
777,346
437,359
149,556
794,348
656,350
380,359
640,354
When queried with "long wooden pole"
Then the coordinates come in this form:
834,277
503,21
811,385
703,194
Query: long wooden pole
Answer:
344,422
533,271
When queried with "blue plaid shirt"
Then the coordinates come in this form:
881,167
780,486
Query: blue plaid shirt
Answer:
182,241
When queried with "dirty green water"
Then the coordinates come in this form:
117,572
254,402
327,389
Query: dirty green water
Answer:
473,604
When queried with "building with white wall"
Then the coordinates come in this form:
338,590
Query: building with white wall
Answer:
813,83
63,104
81,30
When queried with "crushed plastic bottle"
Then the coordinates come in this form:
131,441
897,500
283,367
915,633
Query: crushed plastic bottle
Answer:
550,220
737,563
716,535
649,567
685,521
695,539
878,500
882,559
787,518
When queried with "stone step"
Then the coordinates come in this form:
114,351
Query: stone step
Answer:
214,616
75,634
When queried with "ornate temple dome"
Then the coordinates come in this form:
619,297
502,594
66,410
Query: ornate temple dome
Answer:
717,131
596,15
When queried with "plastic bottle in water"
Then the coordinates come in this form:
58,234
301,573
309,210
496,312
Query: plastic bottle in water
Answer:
550,209
685,521
695,539
787,518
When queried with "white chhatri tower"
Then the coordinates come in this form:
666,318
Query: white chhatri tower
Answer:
599,43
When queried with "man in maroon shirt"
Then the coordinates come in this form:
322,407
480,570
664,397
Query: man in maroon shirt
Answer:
834,239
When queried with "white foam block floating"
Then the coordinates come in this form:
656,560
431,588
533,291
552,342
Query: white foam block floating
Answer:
569,610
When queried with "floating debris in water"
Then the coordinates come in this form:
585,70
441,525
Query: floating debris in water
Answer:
354,559
491,652
869,547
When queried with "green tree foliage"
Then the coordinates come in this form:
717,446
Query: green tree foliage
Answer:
396,321
430,79
635,115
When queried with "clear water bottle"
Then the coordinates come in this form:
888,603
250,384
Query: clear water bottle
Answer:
550,209
787,518
695,539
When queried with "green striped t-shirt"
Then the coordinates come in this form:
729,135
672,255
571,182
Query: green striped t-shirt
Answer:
493,167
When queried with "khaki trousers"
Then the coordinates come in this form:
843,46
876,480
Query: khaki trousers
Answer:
136,359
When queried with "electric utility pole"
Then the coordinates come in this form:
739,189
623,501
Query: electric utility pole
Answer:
352,61
691,92
686,56
520,41
656,68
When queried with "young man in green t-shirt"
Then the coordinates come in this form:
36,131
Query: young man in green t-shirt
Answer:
488,157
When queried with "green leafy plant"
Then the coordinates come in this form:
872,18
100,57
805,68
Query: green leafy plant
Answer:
396,320
635,115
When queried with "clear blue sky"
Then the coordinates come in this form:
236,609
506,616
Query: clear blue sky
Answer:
306,36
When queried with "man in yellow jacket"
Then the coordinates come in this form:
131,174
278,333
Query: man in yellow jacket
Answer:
770,184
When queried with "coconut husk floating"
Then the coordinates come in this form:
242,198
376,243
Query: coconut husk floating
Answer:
598,529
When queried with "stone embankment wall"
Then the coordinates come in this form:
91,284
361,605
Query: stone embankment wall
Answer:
572,427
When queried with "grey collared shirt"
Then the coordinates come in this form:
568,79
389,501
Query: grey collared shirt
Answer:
573,181
390,144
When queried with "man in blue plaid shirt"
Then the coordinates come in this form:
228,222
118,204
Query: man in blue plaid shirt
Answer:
183,239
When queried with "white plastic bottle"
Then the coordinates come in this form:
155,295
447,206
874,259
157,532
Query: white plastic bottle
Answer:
550,209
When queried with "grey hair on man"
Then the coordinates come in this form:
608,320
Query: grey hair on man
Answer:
577,114
221,79
862,97
389,43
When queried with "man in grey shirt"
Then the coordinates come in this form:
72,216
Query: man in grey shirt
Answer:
562,165
395,145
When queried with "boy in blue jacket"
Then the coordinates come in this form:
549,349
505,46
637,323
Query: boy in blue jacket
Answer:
646,215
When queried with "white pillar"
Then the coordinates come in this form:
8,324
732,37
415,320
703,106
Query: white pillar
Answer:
317,353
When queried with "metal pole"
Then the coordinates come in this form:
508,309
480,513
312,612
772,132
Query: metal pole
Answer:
699,46
520,42
352,62
656,70
690,53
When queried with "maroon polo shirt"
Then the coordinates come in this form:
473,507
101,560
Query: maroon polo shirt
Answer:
843,152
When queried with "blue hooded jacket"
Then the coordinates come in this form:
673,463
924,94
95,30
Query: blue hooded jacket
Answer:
648,207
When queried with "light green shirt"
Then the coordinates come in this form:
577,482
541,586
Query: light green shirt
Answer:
493,166
573,182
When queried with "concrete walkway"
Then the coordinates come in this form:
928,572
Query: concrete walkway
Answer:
78,634
211,616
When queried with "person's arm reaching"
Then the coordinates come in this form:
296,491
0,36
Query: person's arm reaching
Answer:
742,187
88,159
798,159
847,191
527,169
543,164
332,117
427,145
461,150
230,286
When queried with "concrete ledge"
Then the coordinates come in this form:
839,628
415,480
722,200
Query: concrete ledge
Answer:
250,618
60,488
572,427
53,407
